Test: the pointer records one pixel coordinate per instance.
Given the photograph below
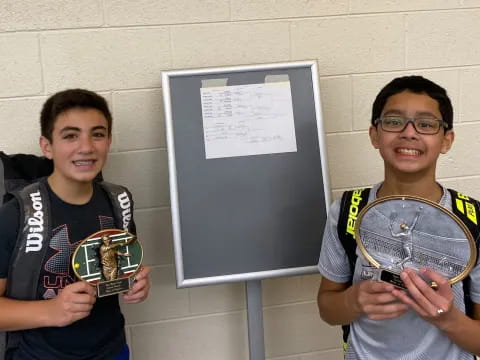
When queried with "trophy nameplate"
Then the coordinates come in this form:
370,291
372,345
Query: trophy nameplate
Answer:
108,259
396,232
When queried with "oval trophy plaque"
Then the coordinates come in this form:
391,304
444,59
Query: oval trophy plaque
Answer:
109,260
396,232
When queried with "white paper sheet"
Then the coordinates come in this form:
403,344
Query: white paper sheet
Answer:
246,120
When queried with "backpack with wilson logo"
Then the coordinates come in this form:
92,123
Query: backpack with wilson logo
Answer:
22,176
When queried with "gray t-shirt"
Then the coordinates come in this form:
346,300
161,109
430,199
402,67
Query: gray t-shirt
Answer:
407,337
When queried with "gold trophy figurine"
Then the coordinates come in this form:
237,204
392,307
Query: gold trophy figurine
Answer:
108,257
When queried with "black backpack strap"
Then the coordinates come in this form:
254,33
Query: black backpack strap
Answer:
352,203
30,248
122,203
32,241
468,210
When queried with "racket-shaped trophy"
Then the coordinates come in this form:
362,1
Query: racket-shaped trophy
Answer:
109,260
396,232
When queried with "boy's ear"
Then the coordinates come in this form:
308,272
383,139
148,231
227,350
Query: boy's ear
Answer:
372,131
46,147
447,141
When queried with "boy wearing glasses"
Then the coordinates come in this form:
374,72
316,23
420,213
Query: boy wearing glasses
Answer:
411,125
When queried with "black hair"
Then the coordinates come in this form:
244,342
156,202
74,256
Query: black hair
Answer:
70,99
418,85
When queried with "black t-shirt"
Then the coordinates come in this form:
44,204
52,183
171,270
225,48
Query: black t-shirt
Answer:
101,334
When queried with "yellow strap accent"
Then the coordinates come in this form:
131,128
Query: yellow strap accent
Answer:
471,213
460,206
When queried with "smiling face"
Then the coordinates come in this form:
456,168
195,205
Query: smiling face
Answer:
79,146
409,152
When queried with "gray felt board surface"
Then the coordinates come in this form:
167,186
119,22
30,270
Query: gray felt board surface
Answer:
247,214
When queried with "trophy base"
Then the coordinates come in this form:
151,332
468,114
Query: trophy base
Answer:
112,287
392,278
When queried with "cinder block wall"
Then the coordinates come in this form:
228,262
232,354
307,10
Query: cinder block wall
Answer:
120,47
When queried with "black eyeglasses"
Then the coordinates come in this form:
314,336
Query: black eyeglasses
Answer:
422,125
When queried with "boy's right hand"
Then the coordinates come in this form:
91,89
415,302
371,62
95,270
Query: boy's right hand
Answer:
73,303
376,301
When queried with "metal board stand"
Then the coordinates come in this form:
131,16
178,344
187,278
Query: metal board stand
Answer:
255,320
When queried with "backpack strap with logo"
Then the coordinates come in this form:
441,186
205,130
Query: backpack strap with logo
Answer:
122,203
32,241
30,248
352,203
468,210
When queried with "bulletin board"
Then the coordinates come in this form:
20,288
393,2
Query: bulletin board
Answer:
248,171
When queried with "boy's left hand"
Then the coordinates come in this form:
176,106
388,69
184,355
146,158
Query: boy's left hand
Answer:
434,305
140,288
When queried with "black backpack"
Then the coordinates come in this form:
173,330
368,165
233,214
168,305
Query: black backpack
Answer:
19,170
352,202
